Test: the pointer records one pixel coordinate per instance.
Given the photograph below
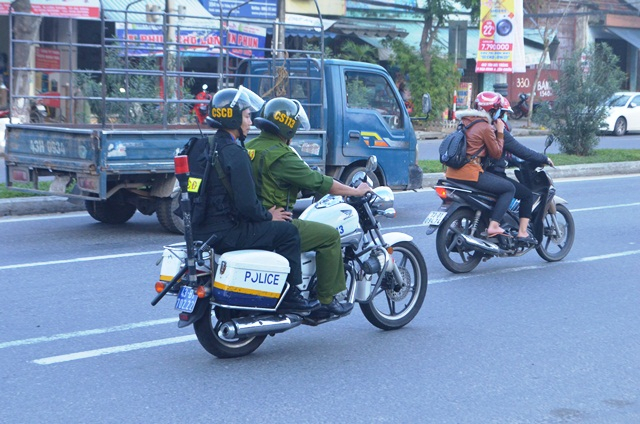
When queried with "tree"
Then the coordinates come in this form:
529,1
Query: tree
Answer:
435,16
439,81
586,81
547,28
25,31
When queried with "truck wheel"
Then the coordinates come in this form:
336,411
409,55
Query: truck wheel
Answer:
169,221
347,176
110,211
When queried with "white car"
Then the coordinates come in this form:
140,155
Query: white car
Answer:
624,113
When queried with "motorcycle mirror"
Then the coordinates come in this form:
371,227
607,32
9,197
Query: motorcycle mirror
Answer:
372,163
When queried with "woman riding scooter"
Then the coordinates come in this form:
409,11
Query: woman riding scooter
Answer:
485,137
497,167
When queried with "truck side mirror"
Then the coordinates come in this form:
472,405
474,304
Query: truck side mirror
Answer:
426,103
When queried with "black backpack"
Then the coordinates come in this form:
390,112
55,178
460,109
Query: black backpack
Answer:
202,154
453,149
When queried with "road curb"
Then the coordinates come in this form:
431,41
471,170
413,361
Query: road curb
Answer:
39,205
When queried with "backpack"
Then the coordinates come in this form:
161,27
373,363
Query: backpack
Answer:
202,154
453,149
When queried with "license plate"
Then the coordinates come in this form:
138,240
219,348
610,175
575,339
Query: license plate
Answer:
186,299
434,218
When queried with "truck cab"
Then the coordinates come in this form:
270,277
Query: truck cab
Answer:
355,111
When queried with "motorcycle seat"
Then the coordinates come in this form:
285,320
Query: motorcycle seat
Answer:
455,184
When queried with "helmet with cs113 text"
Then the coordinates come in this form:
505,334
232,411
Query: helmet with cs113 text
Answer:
283,117
227,105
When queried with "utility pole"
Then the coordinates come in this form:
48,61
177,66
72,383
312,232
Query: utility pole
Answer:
280,30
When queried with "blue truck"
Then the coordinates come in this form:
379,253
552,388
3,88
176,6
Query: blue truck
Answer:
118,166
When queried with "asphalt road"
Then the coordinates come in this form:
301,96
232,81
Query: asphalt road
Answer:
518,340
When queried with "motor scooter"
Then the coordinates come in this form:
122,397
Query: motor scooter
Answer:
462,220
522,107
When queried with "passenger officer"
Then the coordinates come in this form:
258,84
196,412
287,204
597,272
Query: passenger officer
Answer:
280,174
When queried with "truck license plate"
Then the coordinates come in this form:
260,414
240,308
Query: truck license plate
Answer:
186,299
434,218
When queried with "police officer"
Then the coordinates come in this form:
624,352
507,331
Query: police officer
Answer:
280,174
232,210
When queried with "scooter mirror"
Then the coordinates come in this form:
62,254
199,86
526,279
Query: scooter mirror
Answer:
549,141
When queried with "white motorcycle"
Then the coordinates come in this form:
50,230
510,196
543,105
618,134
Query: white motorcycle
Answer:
233,299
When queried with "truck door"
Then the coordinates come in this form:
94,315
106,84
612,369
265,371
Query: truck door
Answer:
376,123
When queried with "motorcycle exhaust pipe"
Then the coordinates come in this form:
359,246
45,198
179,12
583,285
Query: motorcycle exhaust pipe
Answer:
258,326
477,244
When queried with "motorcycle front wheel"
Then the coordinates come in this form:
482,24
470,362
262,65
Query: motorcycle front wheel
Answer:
397,302
558,234
206,329
454,257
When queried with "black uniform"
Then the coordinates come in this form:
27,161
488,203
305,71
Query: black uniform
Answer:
240,221
498,166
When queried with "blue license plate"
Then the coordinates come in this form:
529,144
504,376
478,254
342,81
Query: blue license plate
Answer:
186,299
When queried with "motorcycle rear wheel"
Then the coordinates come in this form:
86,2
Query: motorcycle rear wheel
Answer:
454,257
555,246
206,329
396,304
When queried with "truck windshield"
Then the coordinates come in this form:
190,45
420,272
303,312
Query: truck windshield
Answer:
367,90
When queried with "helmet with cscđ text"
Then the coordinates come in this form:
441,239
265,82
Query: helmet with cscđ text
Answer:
227,105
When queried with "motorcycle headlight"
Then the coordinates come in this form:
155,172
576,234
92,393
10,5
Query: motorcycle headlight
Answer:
384,198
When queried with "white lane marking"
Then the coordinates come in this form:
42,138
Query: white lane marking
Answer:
534,267
595,208
85,259
63,336
162,342
114,349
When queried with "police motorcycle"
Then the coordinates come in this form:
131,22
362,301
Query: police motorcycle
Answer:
233,299
462,220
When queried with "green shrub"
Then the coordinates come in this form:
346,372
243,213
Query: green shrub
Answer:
586,81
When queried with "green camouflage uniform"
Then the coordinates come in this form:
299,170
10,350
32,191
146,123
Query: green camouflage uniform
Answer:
280,174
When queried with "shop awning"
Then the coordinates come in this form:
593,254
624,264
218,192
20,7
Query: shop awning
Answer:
80,9
194,29
630,35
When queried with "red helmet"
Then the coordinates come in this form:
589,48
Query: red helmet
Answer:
505,105
489,101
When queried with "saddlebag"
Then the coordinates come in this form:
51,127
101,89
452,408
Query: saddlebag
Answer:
250,278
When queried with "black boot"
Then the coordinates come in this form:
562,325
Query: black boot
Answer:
293,300
337,308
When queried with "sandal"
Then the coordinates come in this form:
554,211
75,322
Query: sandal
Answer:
503,233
